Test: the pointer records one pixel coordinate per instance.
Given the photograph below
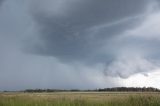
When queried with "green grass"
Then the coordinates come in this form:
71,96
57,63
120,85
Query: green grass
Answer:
80,99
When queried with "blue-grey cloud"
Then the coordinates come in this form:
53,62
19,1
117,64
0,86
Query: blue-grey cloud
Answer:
77,43
1,2
92,32
74,33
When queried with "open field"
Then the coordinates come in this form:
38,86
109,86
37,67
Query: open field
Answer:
80,99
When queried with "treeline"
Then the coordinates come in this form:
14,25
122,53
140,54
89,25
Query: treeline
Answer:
51,90
115,89
131,89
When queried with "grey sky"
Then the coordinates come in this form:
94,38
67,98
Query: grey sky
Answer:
77,43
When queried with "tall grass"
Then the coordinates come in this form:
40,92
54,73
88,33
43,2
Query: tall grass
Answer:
79,99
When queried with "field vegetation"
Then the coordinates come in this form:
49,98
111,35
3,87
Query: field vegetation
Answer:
80,99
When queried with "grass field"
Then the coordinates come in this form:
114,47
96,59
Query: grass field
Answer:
80,99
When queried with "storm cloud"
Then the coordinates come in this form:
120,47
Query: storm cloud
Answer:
92,32
78,29
78,43
1,1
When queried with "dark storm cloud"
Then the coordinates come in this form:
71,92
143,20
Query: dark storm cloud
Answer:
1,1
78,29
92,32
19,70
82,44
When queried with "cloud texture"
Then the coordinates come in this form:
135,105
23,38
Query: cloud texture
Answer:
43,41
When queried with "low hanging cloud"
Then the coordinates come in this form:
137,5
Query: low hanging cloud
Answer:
82,44
1,1
127,66
99,32
76,30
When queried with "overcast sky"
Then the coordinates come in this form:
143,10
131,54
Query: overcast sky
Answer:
79,44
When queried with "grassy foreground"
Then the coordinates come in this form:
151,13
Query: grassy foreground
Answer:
80,99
